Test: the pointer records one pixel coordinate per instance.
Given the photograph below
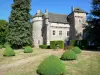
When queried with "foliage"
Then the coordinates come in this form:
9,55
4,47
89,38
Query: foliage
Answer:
77,50
28,49
8,51
6,44
60,43
3,31
69,55
51,66
96,8
20,28
53,44
44,46
94,23
1,46
83,44
72,42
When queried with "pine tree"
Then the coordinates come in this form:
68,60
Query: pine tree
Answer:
20,28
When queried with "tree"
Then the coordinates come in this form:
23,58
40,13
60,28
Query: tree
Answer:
96,8
94,23
3,31
20,28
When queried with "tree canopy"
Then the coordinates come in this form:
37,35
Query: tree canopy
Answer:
20,28
93,28
3,31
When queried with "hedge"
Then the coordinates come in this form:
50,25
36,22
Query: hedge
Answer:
44,46
53,44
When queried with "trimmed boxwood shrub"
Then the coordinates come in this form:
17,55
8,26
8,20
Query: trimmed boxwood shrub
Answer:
8,51
28,49
69,55
53,44
52,65
44,46
77,50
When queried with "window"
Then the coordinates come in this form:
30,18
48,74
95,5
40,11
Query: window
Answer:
67,33
60,32
54,32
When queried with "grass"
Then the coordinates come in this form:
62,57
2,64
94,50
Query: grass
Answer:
87,63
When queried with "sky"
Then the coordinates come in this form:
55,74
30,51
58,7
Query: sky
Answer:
55,6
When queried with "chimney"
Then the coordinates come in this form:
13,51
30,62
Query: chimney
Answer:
72,8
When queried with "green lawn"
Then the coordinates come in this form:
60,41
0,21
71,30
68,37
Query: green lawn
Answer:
87,63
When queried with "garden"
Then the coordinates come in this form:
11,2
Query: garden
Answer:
57,61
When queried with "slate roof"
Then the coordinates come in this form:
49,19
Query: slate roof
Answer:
57,18
79,10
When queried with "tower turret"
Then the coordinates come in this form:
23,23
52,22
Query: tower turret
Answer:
77,21
37,29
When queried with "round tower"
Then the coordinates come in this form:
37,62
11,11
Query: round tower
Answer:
37,29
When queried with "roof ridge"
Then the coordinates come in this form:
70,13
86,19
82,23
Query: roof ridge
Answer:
57,13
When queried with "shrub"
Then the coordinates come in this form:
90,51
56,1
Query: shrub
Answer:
60,43
28,49
69,55
44,46
77,50
51,66
83,44
8,51
53,44
72,42
1,46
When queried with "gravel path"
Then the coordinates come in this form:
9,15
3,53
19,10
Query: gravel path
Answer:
30,59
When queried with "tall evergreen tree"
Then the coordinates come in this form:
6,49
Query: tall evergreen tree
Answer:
20,28
93,29
96,8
